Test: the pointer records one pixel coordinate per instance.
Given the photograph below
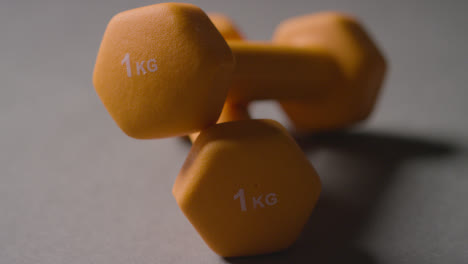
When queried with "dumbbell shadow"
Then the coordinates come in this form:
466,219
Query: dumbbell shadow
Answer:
356,170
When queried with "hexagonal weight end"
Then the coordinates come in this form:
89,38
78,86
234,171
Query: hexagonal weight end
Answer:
247,188
162,70
361,62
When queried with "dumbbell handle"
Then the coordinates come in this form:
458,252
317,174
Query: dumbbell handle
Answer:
267,71
231,112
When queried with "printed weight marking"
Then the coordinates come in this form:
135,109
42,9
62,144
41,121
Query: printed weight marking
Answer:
151,65
270,200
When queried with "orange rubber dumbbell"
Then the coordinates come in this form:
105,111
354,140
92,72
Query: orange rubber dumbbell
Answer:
164,70
247,187
242,181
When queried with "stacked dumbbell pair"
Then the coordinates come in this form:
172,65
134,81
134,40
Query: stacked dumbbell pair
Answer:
247,188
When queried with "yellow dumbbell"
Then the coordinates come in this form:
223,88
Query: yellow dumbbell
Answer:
247,188
164,70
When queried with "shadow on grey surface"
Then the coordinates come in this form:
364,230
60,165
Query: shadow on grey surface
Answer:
357,170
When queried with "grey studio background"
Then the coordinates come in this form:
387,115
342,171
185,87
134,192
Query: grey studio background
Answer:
75,190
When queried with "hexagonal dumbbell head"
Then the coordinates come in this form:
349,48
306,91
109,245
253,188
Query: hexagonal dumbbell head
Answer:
356,54
247,188
157,57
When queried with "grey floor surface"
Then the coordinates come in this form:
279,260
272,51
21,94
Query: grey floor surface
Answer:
76,190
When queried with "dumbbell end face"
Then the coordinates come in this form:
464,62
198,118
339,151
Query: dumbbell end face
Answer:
162,70
247,188
362,64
